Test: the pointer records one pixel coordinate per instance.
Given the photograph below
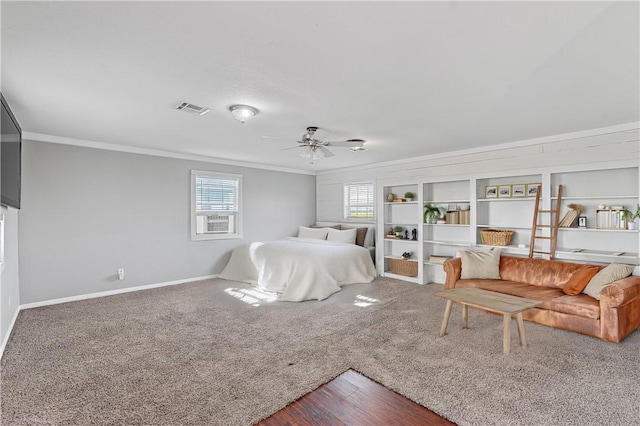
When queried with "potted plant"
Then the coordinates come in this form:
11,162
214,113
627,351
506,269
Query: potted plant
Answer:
631,217
409,196
398,230
431,213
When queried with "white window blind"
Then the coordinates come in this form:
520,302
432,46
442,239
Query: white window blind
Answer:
216,205
358,201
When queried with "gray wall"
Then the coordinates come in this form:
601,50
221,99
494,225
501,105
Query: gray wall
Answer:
87,212
9,288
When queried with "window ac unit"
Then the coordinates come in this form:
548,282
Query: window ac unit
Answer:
214,224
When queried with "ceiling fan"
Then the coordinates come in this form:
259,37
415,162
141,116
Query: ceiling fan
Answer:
315,148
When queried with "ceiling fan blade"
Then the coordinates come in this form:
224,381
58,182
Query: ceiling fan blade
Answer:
325,151
291,147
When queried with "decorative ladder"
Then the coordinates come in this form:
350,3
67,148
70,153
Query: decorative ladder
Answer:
553,225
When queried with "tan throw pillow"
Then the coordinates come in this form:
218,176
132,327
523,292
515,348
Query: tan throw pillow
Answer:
611,273
480,264
579,280
361,233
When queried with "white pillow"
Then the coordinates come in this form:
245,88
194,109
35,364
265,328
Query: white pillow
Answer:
613,272
346,236
480,264
476,249
315,233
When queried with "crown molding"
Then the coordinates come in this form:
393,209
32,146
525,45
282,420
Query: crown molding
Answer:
626,127
40,137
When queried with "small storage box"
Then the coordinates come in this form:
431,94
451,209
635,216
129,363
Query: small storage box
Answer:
496,237
408,268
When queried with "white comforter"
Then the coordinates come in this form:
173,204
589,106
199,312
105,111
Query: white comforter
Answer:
300,268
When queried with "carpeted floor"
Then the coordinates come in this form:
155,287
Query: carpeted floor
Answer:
203,353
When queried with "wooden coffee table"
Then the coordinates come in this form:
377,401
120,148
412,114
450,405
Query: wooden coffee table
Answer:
489,301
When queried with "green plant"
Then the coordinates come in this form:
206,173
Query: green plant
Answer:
431,213
409,195
398,228
631,216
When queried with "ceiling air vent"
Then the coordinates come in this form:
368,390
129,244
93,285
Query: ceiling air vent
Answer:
186,106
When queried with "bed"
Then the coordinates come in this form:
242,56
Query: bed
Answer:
299,269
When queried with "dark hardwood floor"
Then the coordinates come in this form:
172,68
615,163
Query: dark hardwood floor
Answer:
353,399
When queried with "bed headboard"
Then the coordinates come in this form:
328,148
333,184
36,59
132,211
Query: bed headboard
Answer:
370,237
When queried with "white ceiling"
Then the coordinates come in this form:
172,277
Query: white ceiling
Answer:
411,78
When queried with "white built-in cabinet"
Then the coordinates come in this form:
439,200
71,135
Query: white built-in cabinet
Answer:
618,186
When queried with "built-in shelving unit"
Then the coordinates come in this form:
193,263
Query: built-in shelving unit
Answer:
588,186
405,214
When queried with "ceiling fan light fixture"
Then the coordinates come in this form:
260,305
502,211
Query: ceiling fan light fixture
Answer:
243,112
358,148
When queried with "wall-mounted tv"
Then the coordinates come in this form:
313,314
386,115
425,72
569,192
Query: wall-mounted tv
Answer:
10,157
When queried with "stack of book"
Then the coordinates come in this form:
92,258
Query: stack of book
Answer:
571,217
610,219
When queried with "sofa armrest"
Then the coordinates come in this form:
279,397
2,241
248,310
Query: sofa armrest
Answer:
453,268
621,292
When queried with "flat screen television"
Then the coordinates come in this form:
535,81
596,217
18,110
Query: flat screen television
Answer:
10,157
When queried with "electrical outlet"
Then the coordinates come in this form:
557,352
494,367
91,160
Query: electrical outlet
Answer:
121,274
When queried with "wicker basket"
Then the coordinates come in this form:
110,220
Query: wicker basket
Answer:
408,268
496,237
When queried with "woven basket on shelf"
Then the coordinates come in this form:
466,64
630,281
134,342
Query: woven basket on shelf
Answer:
496,237
408,268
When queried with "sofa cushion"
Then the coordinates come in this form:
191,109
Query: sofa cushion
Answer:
480,265
546,273
613,272
580,305
579,280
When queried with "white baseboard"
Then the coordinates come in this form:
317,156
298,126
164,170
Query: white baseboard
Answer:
9,330
111,292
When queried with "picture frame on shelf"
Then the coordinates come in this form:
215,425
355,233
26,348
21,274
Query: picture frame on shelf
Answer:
519,190
491,191
532,189
504,191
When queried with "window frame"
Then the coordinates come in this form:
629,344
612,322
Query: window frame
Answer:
346,205
193,215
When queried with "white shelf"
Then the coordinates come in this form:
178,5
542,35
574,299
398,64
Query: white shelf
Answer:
433,264
506,199
400,240
502,226
510,248
447,202
415,225
599,197
400,258
401,277
446,224
603,255
399,203
449,243
599,230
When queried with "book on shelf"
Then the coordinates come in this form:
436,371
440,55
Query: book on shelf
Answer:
610,219
439,259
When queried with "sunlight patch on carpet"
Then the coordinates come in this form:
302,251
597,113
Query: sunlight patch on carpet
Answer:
364,301
252,296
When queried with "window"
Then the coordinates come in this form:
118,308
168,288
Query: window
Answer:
216,200
358,201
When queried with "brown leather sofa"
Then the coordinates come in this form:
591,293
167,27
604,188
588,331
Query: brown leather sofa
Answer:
612,318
